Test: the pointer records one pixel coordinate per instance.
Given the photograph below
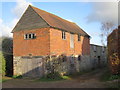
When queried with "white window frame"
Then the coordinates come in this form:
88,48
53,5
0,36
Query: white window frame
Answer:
28,36
63,35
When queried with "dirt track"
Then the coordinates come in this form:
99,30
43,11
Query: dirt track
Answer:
88,80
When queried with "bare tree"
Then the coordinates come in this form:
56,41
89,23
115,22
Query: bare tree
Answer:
106,29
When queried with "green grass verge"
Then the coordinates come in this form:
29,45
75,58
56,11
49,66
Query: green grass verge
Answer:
4,79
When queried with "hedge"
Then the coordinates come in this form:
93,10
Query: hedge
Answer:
2,61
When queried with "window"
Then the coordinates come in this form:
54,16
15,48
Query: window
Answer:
25,36
94,48
64,58
79,37
103,49
30,36
63,35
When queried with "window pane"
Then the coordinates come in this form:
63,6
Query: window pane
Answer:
25,36
33,35
64,36
29,35
79,37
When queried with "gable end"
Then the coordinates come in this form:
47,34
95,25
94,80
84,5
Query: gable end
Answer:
30,20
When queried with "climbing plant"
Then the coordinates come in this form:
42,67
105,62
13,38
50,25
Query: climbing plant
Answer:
115,62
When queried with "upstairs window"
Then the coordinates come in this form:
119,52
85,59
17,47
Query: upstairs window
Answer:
30,36
79,37
63,35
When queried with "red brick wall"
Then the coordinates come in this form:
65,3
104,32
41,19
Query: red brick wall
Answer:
59,46
113,52
38,46
48,41
119,41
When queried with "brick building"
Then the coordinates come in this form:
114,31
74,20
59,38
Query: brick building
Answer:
39,33
114,51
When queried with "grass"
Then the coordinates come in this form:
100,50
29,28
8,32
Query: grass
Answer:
66,77
17,77
107,76
4,79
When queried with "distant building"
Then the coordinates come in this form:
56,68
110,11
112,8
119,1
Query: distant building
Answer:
98,56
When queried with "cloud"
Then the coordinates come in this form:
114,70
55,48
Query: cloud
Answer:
5,30
104,11
14,22
94,34
18,10
21,6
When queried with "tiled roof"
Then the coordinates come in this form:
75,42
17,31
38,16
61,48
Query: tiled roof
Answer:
57,22
34,16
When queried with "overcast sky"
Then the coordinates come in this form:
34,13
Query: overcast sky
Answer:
88,15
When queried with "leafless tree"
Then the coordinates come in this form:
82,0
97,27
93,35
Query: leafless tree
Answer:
106,29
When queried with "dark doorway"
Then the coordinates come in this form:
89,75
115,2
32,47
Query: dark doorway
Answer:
99,61
9,64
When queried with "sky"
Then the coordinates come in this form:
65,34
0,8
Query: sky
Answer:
87,15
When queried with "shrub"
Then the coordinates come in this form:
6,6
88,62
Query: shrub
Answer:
2,61
107,76
113,77
54,75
